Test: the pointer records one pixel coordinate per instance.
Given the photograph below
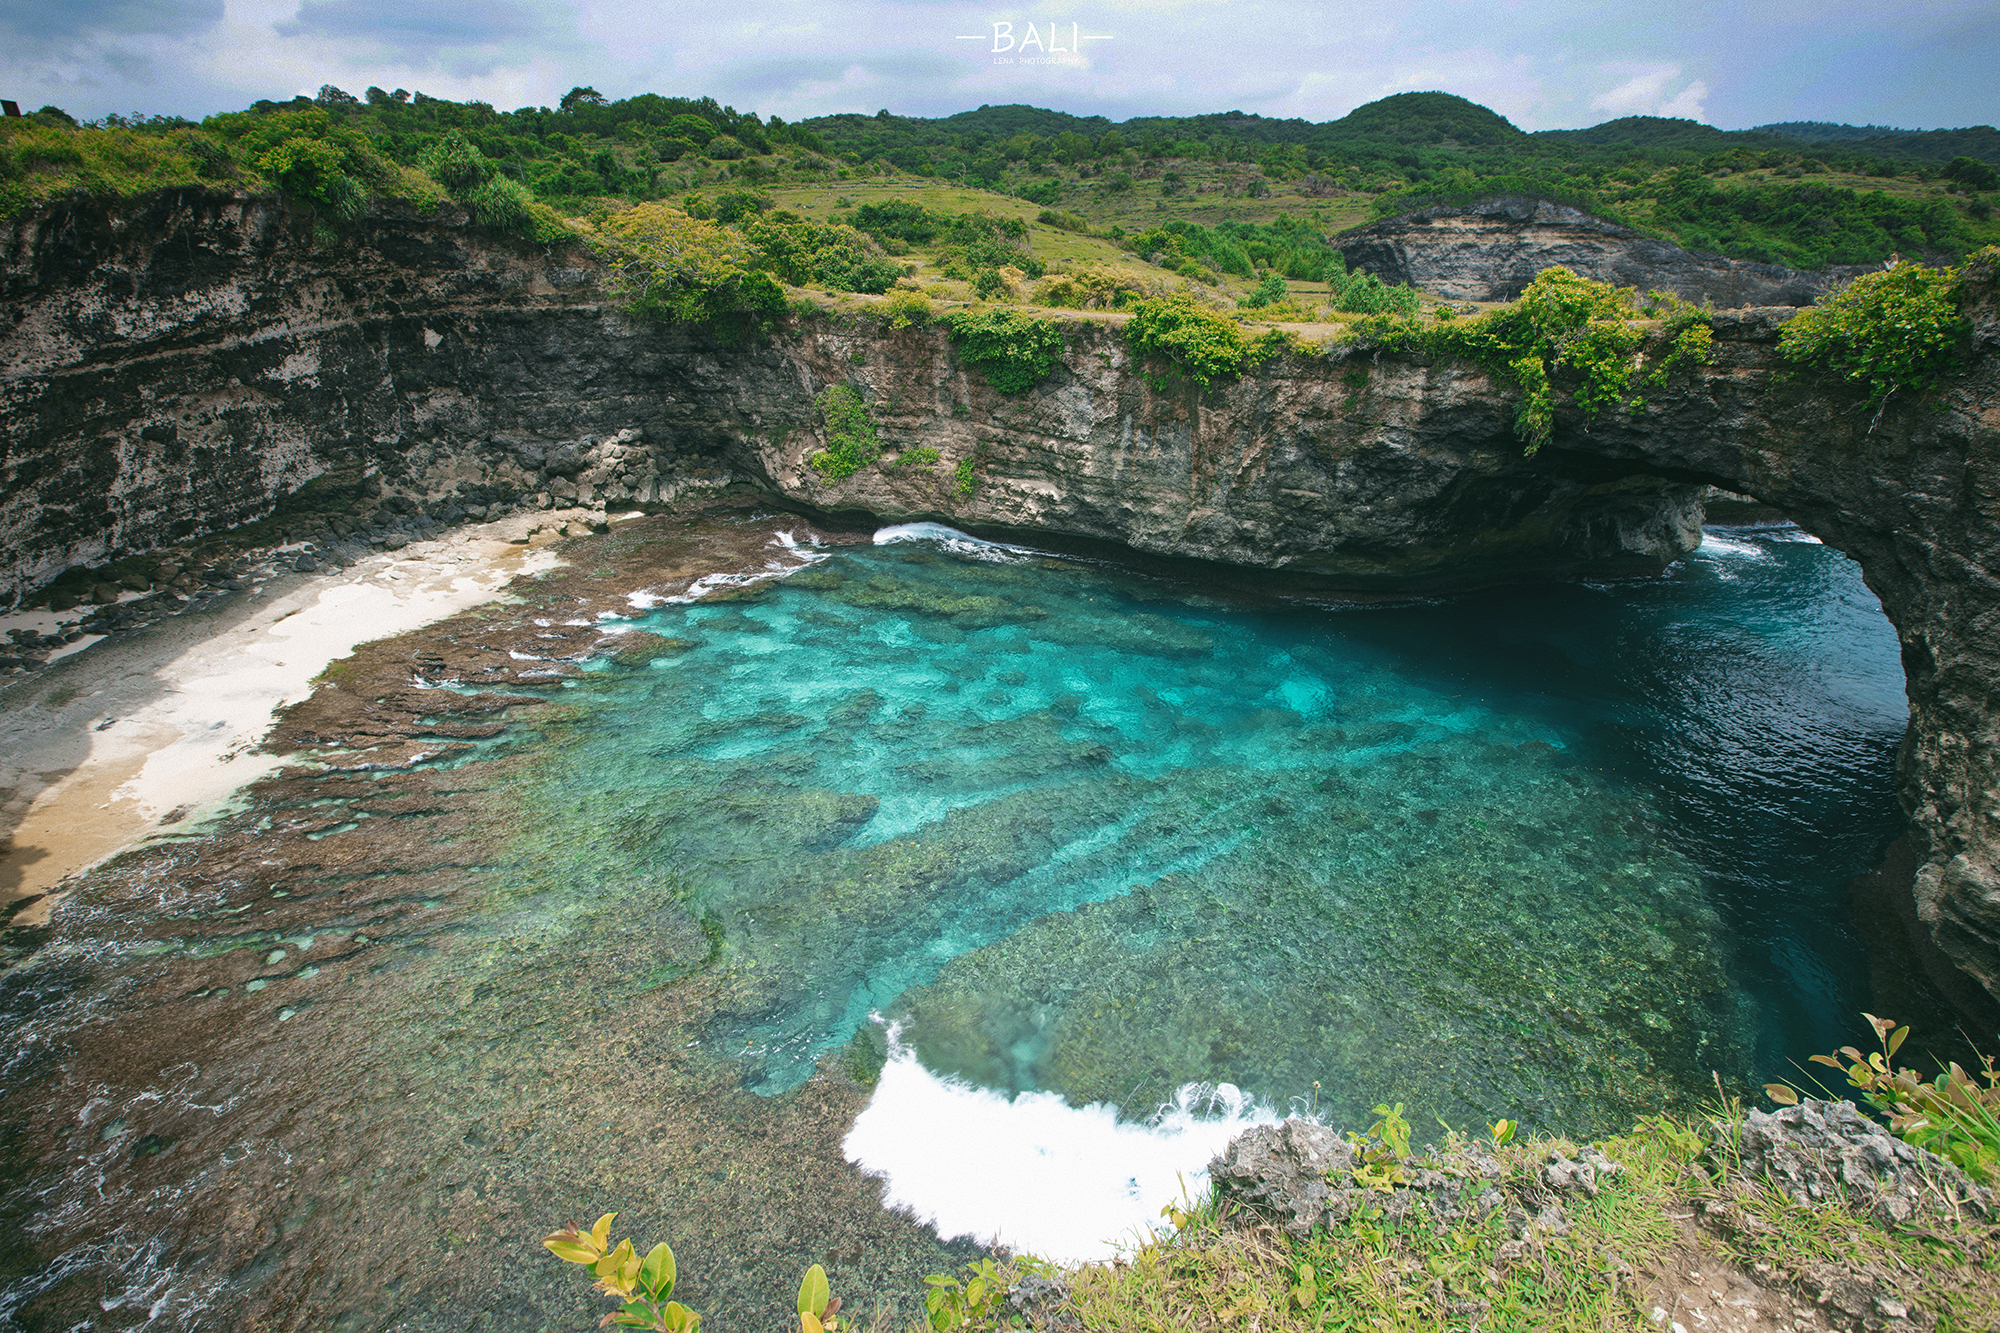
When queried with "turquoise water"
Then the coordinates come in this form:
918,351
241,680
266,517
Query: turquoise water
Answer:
1553,852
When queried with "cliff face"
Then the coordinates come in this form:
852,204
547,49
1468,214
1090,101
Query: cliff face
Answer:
186,367
1491,250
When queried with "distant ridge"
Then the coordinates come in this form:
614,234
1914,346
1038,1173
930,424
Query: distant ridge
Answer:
1825,130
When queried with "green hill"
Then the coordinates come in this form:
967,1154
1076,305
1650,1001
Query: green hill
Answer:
1803,194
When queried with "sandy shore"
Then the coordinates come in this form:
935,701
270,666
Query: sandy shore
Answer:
141,730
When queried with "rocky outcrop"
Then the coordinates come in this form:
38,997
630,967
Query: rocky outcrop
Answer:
189,365
1820,1153
1491,250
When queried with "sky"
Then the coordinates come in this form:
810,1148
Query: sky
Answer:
1544,64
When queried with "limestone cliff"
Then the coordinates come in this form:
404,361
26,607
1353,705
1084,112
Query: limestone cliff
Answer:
1491,250
184,365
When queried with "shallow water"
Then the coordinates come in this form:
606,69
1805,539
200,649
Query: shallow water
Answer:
1092,842
1553,852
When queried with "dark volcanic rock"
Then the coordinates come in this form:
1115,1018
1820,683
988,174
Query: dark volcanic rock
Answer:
1491,250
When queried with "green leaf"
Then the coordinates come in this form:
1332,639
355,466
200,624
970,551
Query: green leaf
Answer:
1781,1094
571,1252
677,1318
814,1292
657,1273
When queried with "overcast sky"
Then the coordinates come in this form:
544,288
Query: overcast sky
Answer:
1544,64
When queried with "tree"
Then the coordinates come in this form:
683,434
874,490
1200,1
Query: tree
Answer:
1971,171
577,97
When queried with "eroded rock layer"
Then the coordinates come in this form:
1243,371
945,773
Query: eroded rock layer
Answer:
1491,251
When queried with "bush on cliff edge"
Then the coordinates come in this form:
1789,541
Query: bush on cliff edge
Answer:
1897,329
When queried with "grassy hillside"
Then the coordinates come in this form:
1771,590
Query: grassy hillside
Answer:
1804,195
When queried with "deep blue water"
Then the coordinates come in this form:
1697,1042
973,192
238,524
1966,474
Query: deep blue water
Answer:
1559,852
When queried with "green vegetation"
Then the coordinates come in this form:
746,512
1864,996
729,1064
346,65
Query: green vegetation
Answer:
903,307
1565,332
644,1285
977,1297
672,266
851,439
1290,247
1013,351
1267,192
1745,194
1202,345
1897,329
923,458
803,253
1416,1271
1955,1115
44,158
964,479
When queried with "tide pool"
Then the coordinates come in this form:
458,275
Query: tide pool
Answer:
1561,853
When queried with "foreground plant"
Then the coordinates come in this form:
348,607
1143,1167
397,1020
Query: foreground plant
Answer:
1952,1115
643,1284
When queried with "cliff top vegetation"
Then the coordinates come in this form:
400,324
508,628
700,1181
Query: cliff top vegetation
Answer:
1803,195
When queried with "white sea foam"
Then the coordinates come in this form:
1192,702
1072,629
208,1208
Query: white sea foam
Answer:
803,554
951,539
1032,1172
1713,544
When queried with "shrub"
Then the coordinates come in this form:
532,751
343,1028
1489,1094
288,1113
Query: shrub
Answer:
456,164
1956,1115
1898,329
41,159
672,266
501,202
1087,289
1271,289
733,205
1564,331
903,307
923,458
311,170
802,252
988,285
1195,341
851,439
1366,294
1012,350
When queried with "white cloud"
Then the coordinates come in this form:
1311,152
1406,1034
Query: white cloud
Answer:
1553,64
1687,106
1645,92
1638,95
